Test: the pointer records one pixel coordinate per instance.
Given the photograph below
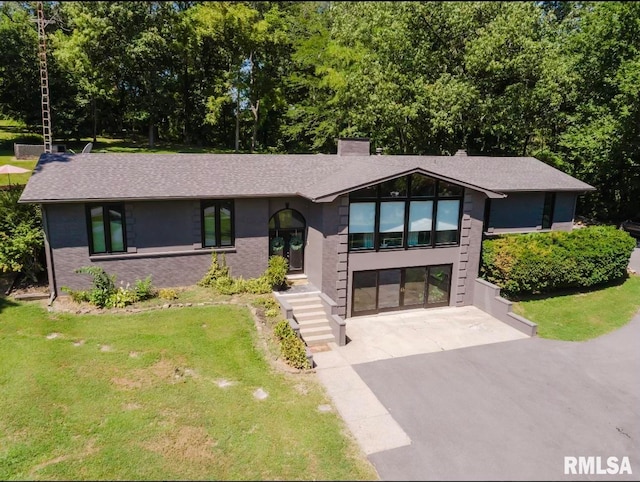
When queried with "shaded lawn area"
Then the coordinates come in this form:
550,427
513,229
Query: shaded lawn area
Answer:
139,396
583,315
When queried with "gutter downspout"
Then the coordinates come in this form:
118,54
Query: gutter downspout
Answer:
48,256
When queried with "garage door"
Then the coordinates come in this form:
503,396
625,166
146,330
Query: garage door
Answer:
376,291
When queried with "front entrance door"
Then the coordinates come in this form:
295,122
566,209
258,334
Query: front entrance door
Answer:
391,289
286,238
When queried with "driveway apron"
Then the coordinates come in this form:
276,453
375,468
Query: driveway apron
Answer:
389,336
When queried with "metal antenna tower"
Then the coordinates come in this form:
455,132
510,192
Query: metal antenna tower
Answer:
44,78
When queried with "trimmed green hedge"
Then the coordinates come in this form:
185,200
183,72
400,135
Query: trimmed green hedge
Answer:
544,262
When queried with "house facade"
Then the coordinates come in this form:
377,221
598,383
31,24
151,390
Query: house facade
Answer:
374,233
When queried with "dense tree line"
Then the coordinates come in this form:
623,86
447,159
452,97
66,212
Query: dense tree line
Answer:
555,80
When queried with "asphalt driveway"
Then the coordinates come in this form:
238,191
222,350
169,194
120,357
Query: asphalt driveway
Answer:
511,410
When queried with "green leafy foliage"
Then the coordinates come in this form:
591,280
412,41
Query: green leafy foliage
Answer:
21,235
167,294
270,304
104,293
217,270
144,289
219,278
556,80
291,346
546,262
276,271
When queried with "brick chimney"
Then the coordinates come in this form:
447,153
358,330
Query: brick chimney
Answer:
353,146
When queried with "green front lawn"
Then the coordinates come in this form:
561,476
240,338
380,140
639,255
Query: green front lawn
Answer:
584,315
163,394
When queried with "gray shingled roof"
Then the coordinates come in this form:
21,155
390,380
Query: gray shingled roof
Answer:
67,178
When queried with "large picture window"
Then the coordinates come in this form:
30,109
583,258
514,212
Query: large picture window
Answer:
362,225
217,224
106,227
409,212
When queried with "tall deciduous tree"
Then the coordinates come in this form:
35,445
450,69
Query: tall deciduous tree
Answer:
603,142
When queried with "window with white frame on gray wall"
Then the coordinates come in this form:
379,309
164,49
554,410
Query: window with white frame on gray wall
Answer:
413,211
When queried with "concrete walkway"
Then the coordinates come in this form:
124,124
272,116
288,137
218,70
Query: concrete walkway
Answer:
634,261
382,337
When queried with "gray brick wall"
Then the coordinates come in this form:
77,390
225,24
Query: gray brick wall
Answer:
314,249
173,262
331,261
470,247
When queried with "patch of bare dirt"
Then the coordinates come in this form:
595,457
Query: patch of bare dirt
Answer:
126,384
187,443
131,406
163,371
24,285
6,280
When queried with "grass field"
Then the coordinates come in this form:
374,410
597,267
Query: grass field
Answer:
159,395
583,315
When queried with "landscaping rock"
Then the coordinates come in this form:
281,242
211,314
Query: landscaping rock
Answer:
223,383
260,394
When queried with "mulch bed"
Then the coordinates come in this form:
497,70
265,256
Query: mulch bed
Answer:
6,280
25,286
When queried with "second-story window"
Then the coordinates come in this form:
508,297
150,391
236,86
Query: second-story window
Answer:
408,212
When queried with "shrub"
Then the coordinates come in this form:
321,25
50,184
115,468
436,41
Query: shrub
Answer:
292,348
267,302
258,286
272,312
219,278
168,294
144,289
216,271
103,285
276,272
76,295
270,305
21,235
545,262
104,293
121,298
230,286
282,329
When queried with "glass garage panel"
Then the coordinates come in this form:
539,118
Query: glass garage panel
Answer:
389,288
365,291
438,285
414,279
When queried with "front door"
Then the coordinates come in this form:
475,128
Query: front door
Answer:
287,238
376,291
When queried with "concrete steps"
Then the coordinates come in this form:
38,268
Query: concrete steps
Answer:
312,319
297,280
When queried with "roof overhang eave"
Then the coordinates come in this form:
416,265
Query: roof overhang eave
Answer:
157,198
579,190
